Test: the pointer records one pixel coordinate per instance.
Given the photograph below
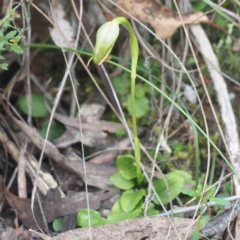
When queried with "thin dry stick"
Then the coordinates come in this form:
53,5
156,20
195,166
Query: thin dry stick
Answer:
193,208
27,61
22,183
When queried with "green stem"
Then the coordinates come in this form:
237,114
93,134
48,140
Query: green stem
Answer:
134,54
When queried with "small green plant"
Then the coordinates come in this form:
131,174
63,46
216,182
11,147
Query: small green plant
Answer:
9,39
121,132
38,105
86,217
129,176
130,204
179,150
57,224
75,238
40,110
57,129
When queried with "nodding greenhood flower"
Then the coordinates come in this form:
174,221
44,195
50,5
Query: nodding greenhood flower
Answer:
107,35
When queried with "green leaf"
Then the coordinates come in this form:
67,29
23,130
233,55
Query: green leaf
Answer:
121,86
11,34
126,166
16,49
130,199
204,220
1,45
189,192
4,66
141,104
211,192
120,182
57,224
117,214
83,217
141,90
196,235
103,221
228,188
121,132
1,57
1,36
186,176
199,190
17,38
151,210
220,201
199,5
175,184
38,105
56,130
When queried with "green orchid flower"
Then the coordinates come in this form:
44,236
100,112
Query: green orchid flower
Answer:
107,35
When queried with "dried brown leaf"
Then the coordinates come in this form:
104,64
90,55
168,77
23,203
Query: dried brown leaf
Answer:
164,20
62,33
52,206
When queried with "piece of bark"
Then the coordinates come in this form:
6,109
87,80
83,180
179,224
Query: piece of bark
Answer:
153,228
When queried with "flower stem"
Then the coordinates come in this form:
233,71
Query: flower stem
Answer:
134,54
